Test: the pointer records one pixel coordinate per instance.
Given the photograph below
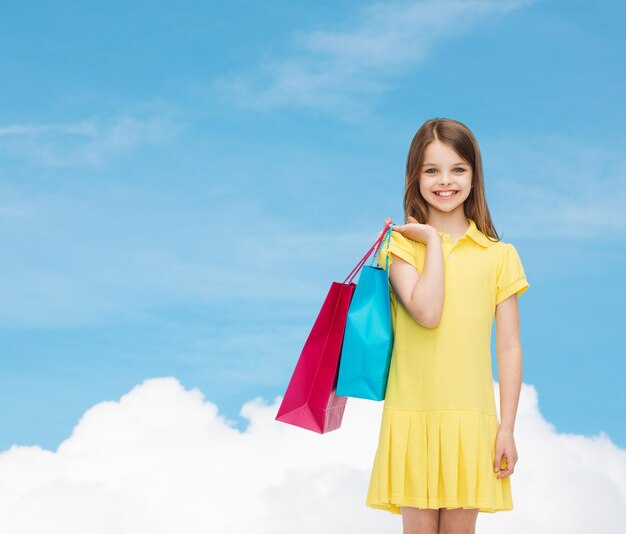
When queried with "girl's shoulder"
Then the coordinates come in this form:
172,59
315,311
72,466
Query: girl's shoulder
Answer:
511,275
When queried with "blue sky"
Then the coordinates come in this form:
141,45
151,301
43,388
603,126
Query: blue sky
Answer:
179,185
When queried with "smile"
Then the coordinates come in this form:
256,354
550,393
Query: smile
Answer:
445,194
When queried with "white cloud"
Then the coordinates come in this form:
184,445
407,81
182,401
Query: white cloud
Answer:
163,460
87,143
330,69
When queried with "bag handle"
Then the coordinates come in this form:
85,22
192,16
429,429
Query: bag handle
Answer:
388,238
386,233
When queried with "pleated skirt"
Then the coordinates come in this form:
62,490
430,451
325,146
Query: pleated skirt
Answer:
437,459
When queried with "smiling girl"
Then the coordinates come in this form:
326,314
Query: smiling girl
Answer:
443,455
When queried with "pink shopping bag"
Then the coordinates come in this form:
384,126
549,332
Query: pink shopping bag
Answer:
310,400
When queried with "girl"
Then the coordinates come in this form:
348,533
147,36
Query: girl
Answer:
443,455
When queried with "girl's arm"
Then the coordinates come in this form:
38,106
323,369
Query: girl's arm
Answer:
421,294
509,354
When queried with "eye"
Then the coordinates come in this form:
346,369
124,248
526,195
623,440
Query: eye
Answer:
457,170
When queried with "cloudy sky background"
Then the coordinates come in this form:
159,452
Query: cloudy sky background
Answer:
179,185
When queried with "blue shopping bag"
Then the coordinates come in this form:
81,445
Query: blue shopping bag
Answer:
368,335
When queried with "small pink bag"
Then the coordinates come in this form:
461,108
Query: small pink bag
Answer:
310,401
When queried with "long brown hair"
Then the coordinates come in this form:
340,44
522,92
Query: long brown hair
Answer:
460,138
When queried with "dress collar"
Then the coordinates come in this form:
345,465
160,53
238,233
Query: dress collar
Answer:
474,233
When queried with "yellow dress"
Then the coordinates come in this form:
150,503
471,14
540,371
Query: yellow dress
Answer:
437,438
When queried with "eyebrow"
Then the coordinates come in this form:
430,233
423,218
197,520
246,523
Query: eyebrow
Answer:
435,165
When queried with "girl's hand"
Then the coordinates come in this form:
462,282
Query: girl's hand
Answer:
505,447
422,233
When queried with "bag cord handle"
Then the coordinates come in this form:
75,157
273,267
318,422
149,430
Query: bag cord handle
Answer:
386,233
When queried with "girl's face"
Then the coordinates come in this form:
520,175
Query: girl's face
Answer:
444,170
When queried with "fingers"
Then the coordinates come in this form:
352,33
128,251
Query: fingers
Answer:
388,221
503,471
508,470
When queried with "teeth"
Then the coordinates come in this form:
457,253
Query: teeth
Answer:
447,194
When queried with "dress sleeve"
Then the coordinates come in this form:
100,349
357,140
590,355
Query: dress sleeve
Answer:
400,246
511,275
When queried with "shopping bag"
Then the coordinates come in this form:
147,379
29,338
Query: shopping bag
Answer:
311,401
368,338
